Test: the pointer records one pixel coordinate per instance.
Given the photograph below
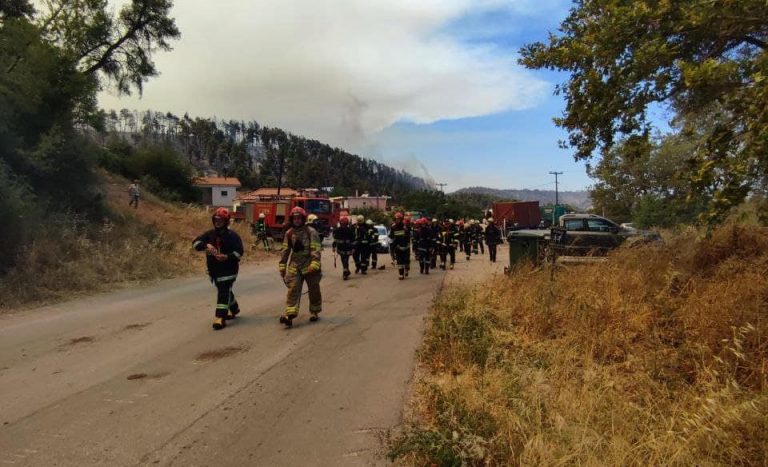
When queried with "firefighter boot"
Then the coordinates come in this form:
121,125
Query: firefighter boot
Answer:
219,323
314,317
287,320
345,276
233,311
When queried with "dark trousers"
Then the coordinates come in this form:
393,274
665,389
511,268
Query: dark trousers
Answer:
374,257
344,255
423,255
482,248
134,201
403,256
362,255
468,248
446,252
225,298
492,251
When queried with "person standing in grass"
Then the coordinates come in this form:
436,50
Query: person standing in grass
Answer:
134,194
223,249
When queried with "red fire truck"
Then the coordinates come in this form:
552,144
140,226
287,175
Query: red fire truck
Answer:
276,211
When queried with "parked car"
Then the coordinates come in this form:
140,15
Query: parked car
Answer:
595,234
382,246
582,235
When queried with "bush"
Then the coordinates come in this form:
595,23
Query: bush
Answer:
159,168
19,213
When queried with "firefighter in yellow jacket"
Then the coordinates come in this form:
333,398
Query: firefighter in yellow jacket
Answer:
301,263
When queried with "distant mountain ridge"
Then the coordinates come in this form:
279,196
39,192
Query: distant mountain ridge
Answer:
577,199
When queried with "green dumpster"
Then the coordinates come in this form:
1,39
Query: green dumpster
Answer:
523,246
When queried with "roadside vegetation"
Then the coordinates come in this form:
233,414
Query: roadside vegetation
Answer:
657,357
73,254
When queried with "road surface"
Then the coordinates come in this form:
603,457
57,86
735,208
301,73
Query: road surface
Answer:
137,377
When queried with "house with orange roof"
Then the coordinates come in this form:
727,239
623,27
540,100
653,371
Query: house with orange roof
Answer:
218,191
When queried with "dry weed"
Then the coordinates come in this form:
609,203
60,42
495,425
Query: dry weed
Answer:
73,255
657,357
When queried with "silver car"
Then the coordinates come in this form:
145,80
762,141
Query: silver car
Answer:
382,246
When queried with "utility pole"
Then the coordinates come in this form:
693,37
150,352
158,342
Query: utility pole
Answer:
441,185
557,195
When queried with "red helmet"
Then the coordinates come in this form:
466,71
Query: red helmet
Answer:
221,213
398,216
344,220
299,211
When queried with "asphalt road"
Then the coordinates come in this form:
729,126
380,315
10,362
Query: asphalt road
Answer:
137,377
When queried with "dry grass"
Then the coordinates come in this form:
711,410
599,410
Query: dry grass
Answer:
657,357
74,256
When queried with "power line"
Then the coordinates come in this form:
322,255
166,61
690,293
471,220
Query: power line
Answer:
442,186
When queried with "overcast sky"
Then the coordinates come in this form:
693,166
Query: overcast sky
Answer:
428,85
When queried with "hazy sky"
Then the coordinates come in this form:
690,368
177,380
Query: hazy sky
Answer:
414,83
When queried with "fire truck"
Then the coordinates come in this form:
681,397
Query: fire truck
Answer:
276,211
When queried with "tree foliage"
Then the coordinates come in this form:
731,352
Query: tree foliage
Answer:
694,56
255,154
53,60
646,181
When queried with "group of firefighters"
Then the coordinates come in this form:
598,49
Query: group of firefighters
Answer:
302,248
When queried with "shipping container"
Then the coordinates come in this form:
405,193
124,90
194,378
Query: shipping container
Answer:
517,215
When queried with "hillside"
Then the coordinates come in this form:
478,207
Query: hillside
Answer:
254,153
577,199
72,255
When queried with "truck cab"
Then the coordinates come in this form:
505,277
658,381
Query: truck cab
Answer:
593,234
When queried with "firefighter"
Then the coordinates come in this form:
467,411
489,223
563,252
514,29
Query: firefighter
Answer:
362,246
447,244
401,240
492,238
465,237
314,222
423,245
435,231
224,250
373,241
479,237
344,244
259,229
300,263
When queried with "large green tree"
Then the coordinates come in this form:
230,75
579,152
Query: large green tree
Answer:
53,61
624,57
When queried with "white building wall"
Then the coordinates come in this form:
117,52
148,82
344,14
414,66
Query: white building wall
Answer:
223,195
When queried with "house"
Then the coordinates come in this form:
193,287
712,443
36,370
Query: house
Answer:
352,203
218,191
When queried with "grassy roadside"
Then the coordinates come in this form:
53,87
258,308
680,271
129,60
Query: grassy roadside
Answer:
74,256
658,357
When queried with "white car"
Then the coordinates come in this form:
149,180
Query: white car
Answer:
382,246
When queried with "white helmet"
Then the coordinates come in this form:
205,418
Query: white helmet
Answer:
360,219
311,218
262,215
369,222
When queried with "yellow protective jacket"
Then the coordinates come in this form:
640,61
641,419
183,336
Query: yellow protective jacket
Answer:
301,249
